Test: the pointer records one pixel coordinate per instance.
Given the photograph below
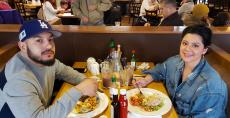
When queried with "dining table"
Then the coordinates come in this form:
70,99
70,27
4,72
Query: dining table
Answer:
153,85
69,19
32,6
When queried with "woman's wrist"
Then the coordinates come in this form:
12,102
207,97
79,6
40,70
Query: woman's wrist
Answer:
148,78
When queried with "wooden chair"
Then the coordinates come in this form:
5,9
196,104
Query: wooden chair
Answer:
134,10
152,17
220,61
11,17
26,14
6,52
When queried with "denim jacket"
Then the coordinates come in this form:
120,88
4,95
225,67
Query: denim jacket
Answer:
202,95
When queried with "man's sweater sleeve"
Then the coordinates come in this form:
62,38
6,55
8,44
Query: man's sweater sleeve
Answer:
75,6
104,5
68,74
22,97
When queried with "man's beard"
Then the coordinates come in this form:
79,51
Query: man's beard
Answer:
35,58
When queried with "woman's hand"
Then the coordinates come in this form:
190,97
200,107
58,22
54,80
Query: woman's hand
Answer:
61,11
142,82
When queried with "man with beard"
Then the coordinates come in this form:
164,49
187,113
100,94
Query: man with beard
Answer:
27,80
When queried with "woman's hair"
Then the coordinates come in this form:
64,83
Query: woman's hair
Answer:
200,10
222,19
63,2
204,32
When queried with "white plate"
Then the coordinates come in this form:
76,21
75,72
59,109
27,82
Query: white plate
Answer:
103,103
147,91
68,14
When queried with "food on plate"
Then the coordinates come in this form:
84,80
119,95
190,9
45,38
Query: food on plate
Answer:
86,104
148,103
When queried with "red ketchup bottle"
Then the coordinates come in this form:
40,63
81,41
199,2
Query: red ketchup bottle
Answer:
123,104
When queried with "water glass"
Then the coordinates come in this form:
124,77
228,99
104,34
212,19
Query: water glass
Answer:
117,23
126,75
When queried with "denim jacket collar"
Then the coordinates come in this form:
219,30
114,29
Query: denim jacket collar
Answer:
196,71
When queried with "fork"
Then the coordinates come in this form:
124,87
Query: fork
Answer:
139,88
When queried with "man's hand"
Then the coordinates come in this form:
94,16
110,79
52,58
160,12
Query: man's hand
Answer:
84,19
88,87
92,7
147,24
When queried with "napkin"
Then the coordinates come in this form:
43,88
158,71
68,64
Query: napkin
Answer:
132,115
143,66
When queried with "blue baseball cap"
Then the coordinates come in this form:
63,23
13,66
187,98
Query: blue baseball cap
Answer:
34,27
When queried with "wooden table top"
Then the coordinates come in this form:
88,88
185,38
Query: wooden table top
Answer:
66,15
32,6
154,85
114,29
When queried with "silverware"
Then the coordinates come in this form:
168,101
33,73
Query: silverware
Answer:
139,76
100,90
139,88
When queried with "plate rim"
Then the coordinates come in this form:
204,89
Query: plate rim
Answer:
105,99
130,107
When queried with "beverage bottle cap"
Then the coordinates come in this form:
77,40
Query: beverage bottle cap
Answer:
123,91
111,90
115,91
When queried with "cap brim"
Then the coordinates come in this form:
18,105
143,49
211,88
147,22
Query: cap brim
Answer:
56,33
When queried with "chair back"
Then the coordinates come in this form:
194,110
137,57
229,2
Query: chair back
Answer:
20,7
5,111
10,17
134,11
134,8
152,17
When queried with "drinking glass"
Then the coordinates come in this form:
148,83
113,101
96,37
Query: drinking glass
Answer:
106,74
117,23
126,75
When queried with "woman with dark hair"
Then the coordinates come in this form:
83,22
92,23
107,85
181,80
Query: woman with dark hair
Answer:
193,85
65,4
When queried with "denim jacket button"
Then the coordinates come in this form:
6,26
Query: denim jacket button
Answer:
178,95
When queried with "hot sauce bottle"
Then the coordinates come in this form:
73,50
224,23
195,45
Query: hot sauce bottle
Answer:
115,105
123,104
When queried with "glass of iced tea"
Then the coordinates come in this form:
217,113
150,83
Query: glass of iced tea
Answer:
106,74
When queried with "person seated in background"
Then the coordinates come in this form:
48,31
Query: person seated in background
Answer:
194,86
50,11
91,12
186,7
4,5
27,81
170,14
150,5
221,19
199,16
65,5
